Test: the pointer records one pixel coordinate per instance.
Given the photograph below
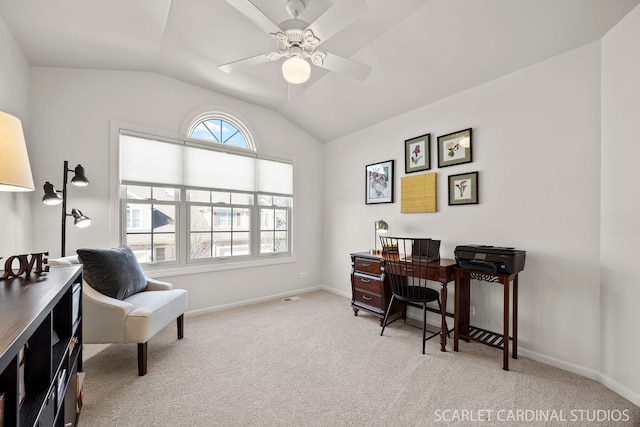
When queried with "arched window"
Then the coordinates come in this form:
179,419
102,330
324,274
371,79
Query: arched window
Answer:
207,198
221,128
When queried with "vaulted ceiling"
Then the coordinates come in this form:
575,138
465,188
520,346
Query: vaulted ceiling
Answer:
420,51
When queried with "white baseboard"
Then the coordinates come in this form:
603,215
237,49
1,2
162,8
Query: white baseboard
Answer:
623,391
618,388
337,292
552,361
213,309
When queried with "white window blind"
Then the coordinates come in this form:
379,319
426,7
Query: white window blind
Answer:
274,177
214,169
146,160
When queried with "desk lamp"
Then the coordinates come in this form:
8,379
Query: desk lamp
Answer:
380,226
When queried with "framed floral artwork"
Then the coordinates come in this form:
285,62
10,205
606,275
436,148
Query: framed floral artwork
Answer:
417,154
463,189
379,182
455,148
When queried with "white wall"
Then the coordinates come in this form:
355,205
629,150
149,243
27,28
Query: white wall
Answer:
620,206
15,215
536,145
72,110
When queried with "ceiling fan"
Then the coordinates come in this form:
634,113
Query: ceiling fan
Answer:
298,41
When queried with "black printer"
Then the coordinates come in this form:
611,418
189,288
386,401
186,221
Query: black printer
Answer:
490,259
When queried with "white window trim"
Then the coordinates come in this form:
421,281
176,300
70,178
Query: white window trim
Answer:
115,217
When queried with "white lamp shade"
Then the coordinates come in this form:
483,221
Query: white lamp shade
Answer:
15,171
296,70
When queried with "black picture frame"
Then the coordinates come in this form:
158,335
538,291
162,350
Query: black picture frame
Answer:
379,182
417,153
463,189
455,148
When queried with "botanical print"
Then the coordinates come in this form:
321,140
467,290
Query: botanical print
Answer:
463,190
417,154
379,182
455,148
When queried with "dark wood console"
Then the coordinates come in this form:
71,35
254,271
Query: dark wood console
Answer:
41,348
371,290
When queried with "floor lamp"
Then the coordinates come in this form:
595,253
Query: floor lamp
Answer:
55,197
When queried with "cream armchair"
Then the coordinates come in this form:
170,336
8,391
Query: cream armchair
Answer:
135,319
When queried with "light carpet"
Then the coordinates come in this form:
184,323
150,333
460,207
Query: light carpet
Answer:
310,362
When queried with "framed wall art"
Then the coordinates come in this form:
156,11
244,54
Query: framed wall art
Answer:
418,193
463,189
417,154
379,182
455,148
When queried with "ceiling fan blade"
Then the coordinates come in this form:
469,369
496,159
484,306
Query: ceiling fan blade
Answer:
249,10
337,18
246,62
342,65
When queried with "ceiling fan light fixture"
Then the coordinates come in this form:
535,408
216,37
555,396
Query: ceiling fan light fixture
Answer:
296,70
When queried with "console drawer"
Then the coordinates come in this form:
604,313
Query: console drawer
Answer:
371,300
367,283
368,265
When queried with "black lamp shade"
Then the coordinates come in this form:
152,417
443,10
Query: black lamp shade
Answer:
51,196
79,178
79,220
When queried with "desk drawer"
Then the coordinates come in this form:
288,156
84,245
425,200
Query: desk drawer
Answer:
366,298
367,283
368,265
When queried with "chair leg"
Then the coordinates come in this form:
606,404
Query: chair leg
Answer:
180,321
424,326
142,359
386,315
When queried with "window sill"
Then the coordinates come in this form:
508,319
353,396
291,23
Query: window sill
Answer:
157,272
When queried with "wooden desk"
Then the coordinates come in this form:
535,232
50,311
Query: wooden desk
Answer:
371,290
464,330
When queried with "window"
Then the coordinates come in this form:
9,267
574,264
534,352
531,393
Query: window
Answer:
220,223
274,224
183,203
221,128
150,221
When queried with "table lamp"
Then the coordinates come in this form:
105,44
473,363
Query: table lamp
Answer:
15,173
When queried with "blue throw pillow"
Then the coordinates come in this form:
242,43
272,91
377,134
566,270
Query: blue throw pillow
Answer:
115,272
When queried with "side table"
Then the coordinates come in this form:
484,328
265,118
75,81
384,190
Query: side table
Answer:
464,330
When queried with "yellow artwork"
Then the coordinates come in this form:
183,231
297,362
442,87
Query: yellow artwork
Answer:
418,193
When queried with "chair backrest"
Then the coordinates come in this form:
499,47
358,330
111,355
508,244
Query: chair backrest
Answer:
407,267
